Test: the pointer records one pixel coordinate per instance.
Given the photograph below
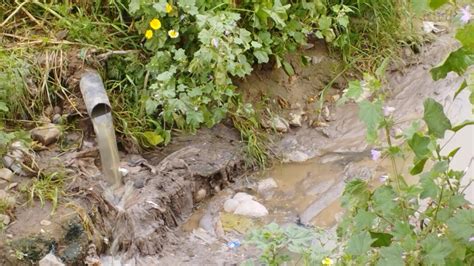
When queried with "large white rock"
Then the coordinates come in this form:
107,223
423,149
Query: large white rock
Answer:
242,196
230,205
251,208
50,260
266,184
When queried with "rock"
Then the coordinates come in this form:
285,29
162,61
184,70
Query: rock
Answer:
50,260
56,119
242,196
296,156
230,205
279,124
6,174
266,184
46,135
7,198
123,171
200,195
251,208
296,119
45,222
4,219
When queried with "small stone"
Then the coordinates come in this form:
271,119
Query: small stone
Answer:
336,97
6,174
7,198
56,119
279,124
4,219
242,196
200,195
47,134
50,260
316,59
266,184
123,171
296,156
57,110
251,208
230,205
296,119
45,222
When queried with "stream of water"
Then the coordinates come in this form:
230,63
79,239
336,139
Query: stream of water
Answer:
104,130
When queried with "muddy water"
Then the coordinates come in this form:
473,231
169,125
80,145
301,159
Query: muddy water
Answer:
105,132
309,192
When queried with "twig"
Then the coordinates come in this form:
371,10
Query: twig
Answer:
106,55
13,13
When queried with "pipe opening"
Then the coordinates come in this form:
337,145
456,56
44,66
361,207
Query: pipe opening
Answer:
100,109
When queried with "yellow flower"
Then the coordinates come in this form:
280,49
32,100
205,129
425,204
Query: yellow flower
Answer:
173,34
168,8
327,261
155,24
148,34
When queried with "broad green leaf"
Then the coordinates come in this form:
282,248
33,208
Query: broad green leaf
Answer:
401,230
262,56
462,224
391,256
364,220
430,189
288,68
150,106
152,138
3,107
435,249
371,114
457,61
419,144
466,36
435,118
435,4
194,118
381,239
457,201
384,203
134,6
356,194
359,244
419,166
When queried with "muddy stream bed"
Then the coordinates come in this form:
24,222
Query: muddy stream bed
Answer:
172,206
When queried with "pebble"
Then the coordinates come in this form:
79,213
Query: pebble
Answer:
296,119
6,174
123,171
279,124
200,195
266,184
45,222
7,198
46,134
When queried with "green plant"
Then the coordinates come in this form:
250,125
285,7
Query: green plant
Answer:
290,243
48,187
